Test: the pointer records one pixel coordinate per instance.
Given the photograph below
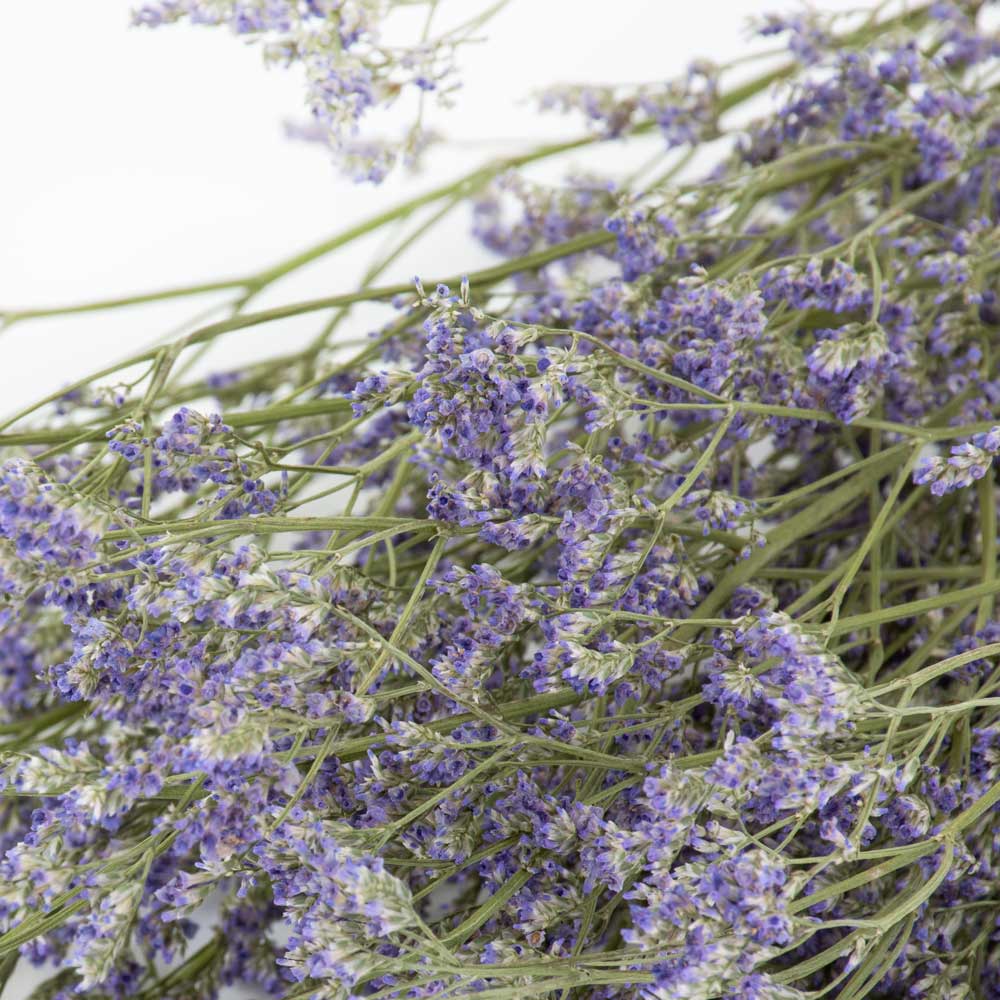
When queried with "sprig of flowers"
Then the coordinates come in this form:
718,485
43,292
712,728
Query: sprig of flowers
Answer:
349,70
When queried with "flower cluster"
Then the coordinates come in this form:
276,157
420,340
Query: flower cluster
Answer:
190,450
684,110
970,461
349,69
618,626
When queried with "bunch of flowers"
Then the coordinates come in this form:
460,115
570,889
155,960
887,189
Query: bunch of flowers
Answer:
616,621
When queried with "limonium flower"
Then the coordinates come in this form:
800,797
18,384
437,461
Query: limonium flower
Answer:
618,620
350,70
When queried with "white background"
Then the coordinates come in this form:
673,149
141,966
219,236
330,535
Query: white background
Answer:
134,159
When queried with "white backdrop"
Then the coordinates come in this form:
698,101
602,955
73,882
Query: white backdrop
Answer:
134,159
